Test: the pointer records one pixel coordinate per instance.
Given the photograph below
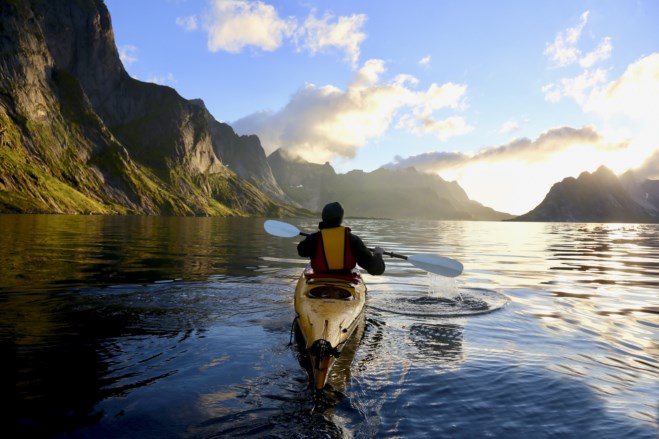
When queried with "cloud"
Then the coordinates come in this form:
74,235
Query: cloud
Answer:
509,127
525,150
187,23
320,123
563,51
429,161
442,129
425,60
577,88
128,54
318,35
634,95
233,25
601,53
162,79
421,120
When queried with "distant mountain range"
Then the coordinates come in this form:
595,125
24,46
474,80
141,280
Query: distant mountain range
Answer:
600,196
383,193
79,135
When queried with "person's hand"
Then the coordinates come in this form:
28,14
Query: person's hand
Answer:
378,251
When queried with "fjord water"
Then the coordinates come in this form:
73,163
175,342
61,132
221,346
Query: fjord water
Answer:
181,327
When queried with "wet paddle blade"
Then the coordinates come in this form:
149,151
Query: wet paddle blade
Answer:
437,264
281,229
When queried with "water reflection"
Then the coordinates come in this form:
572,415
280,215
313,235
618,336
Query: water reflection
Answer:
610,255
168,327
69,342
271,404
58,252
442,342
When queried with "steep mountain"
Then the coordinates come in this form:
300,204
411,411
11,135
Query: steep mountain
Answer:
383,193
645,192
306,183
78,134
244,155
599,197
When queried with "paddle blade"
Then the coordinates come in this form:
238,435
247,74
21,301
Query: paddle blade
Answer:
437,264
281,229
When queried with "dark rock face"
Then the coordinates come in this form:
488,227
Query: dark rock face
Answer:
598,197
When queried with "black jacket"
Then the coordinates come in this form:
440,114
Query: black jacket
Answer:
366,259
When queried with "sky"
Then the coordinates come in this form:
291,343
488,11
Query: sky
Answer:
504,97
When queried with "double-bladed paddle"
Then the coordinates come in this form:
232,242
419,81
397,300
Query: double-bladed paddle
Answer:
433,263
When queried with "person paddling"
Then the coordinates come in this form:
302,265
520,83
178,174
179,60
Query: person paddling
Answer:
335,249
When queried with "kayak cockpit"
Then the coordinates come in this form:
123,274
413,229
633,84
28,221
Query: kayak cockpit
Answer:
329,292
331,286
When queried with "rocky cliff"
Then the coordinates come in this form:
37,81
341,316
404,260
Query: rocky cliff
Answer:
78,134
599,197
397,194
244,155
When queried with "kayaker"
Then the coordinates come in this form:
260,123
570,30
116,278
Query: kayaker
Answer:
328,251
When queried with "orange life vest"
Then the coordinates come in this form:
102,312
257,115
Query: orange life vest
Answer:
333,252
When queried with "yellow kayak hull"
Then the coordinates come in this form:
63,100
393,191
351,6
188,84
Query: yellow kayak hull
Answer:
329,309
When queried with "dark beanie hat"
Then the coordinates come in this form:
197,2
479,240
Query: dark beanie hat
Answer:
332,214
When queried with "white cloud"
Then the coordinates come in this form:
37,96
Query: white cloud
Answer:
509,127
634,95
523,150
162,79
447,95
441,129
425,60
563,51
601,53
187,23
421,120
552,92
128,54
319,35
322,123
369,74
233,25
576,88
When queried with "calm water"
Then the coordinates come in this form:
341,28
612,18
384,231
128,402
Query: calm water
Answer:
181,327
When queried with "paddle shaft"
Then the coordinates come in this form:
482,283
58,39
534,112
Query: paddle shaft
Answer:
390,254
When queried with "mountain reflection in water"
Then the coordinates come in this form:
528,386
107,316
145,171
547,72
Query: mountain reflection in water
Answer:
181,327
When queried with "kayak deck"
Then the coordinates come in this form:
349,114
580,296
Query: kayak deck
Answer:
328,310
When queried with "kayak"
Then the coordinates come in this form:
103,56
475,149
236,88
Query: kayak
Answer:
329,308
